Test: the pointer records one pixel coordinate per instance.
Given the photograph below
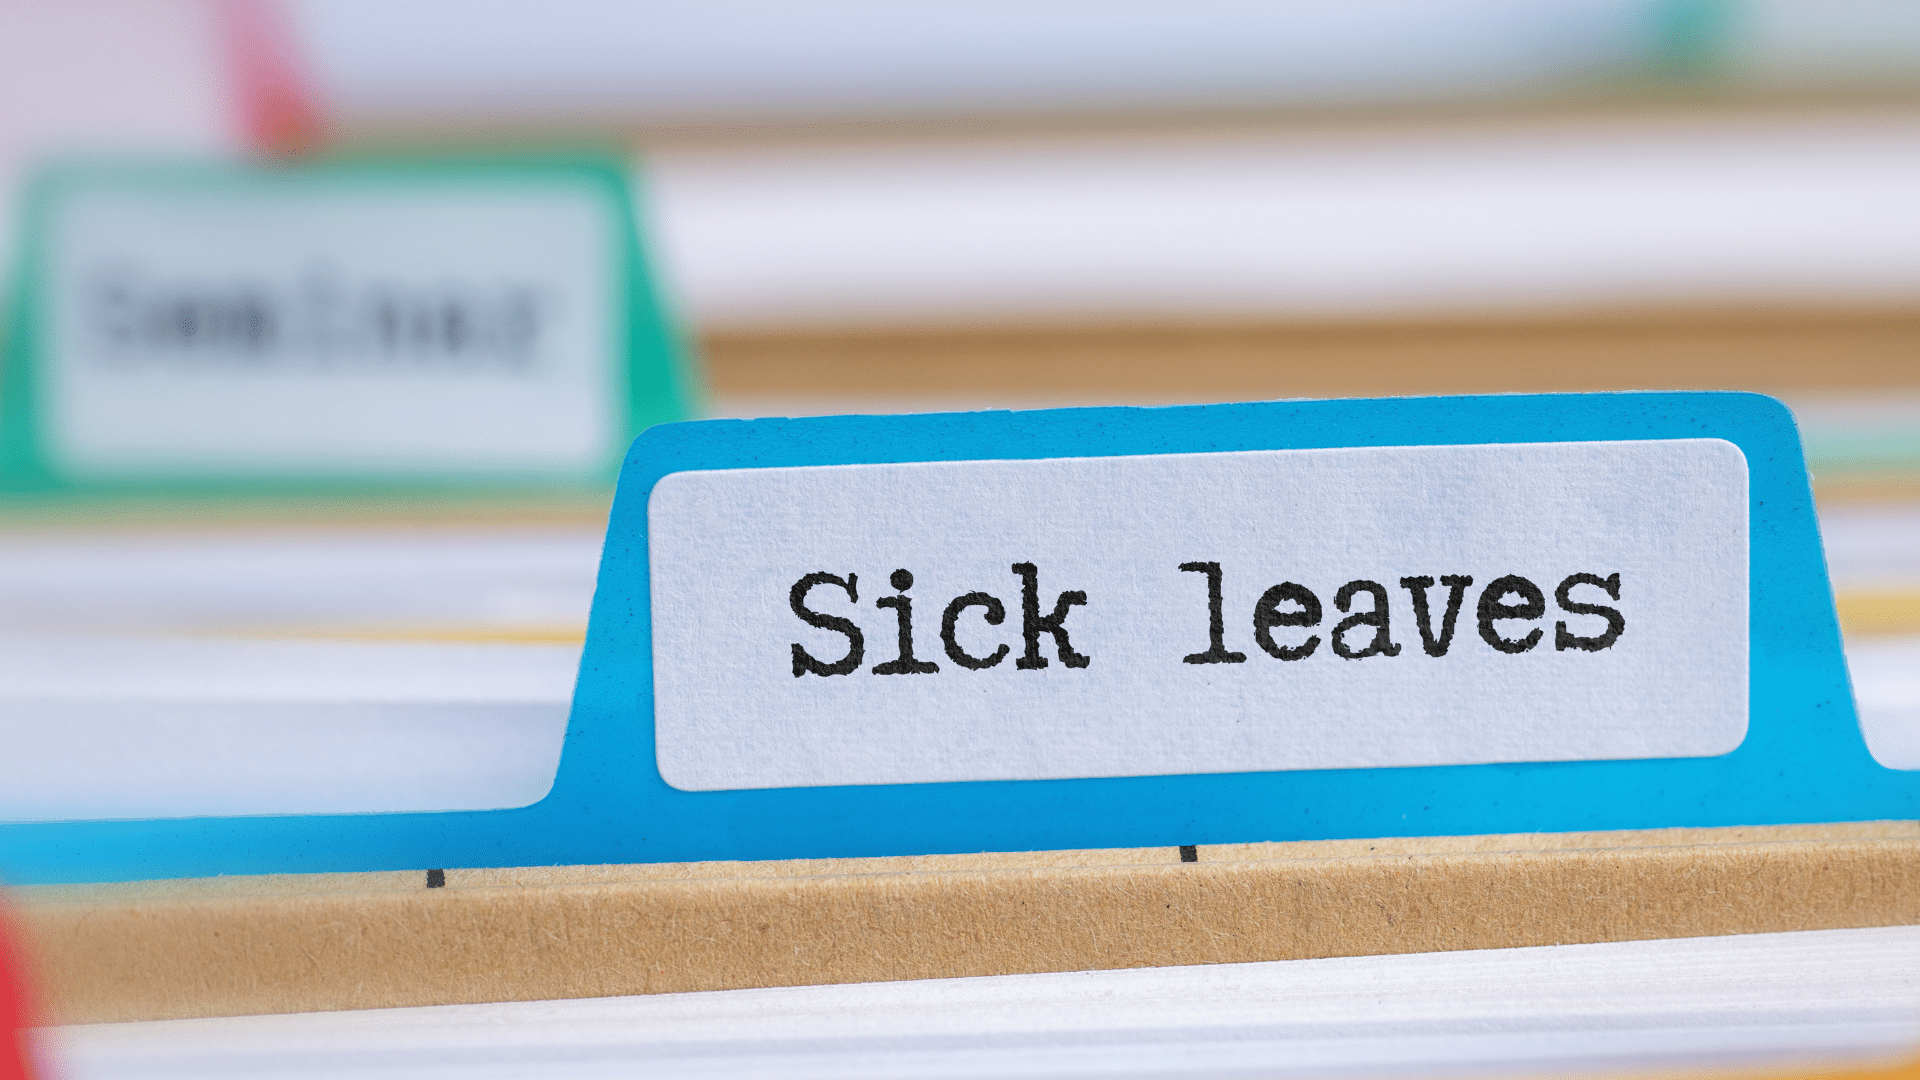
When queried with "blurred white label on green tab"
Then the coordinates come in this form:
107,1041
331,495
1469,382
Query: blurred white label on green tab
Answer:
427,322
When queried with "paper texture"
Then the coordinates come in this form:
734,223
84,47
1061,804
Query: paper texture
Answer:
759,574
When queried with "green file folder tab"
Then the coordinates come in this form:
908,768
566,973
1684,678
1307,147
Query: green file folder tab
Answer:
487,325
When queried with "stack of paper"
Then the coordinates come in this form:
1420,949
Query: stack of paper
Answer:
1829,998
257,671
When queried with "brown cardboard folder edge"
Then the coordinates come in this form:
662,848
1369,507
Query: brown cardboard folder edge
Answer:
291,943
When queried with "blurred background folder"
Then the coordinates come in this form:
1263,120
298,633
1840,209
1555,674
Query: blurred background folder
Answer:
856,206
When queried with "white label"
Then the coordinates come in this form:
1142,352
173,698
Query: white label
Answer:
345,328
1606,616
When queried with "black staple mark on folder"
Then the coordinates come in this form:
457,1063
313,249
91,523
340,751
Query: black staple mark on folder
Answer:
436,879
1189,853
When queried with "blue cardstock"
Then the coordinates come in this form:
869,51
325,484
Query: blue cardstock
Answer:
1803,760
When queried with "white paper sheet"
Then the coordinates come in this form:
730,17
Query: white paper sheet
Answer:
287,581
100,727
